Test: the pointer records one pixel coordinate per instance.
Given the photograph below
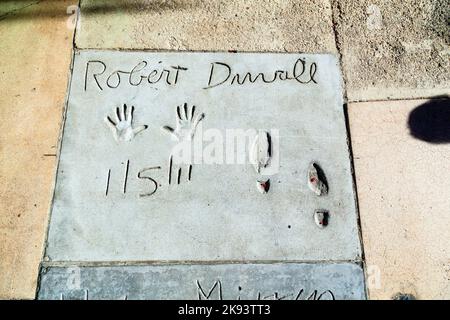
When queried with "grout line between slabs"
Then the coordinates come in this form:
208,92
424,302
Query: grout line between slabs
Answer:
67,264
349,139
58,153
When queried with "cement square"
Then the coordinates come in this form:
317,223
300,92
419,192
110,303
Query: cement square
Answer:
121,196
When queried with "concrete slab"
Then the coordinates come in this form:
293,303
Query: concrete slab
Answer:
33,83
281,25
290,281
393,49
401,155
122,196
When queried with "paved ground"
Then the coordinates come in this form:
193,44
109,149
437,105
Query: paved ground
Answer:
36,51
402,181
389,51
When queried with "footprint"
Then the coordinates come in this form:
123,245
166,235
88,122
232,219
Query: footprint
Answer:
321,218
261,151
263,185
317,181
260,155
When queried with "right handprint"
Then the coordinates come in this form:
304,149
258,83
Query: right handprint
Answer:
186,123
184,131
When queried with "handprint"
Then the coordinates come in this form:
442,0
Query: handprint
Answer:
122,127
186,124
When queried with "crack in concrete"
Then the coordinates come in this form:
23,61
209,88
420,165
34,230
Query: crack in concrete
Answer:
4,16
334,24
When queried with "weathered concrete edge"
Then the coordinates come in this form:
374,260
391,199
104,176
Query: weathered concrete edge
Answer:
413,94
359,264
345,102
355,190
65,264
55,169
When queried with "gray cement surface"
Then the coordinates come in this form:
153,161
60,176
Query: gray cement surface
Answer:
122,195
205,282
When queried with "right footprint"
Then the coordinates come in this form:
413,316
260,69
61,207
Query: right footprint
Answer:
318,184
317,181
321,218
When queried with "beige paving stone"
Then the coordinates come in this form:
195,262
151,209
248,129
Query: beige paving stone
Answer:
243,25
403,185
35,51
394,49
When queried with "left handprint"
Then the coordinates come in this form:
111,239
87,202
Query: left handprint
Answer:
122,126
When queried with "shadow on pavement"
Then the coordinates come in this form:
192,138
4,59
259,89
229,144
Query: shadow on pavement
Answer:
430,121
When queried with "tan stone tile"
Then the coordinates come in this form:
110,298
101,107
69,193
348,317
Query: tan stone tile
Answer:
403,185
393,49
35,52
243,25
